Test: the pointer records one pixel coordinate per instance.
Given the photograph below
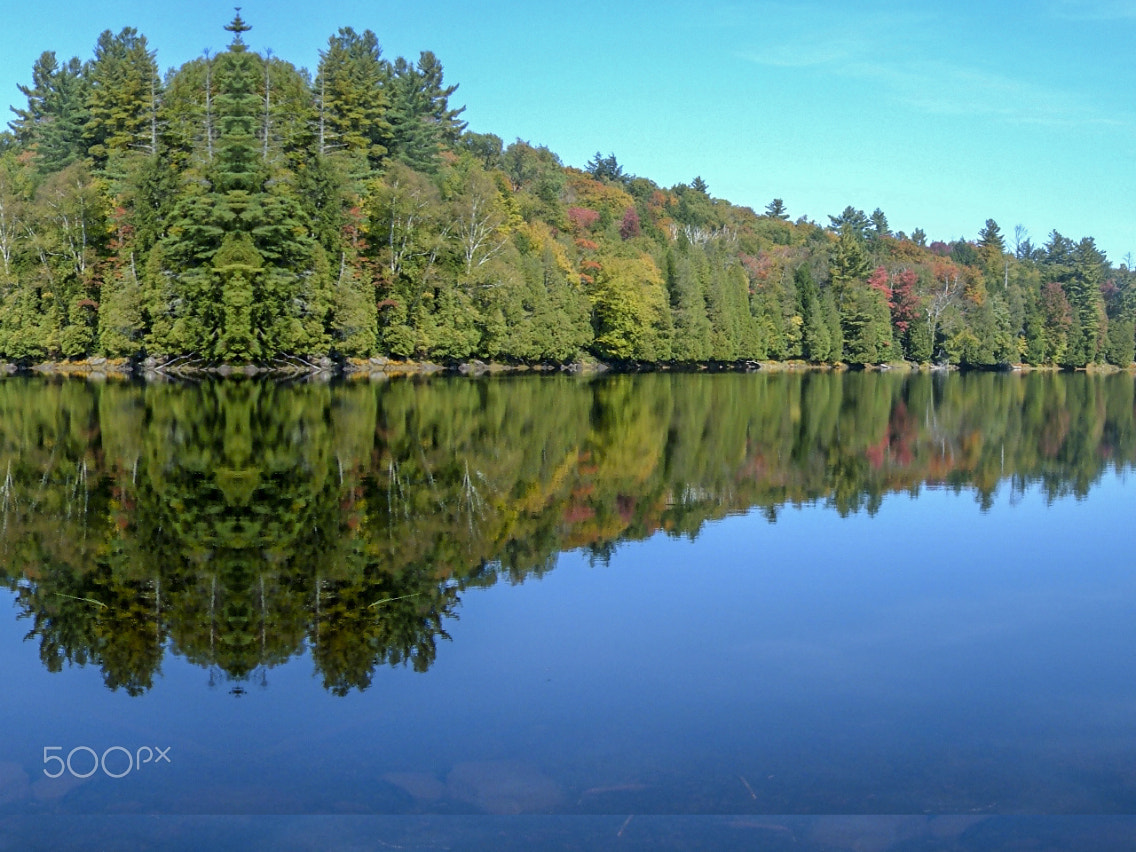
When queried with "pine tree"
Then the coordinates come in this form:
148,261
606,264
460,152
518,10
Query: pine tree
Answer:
351,91
248,280
867,326
606,168
352,308
880,227
1083,289
238,28
816,343
851,221
439,113
849,264
685,283
775,209
52,124
832,322
422,122
990,237
123,96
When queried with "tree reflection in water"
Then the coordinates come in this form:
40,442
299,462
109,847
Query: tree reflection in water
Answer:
239,523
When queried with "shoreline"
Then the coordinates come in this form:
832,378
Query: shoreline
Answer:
380,368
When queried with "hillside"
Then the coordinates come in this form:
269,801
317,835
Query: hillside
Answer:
241,210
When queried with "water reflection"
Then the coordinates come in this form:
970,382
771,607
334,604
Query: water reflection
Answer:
239,523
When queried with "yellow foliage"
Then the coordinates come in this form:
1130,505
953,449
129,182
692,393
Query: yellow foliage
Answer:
538,237
533,236
583,191
905,250
974,287
539,495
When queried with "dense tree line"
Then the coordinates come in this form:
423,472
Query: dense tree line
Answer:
238,209
236,523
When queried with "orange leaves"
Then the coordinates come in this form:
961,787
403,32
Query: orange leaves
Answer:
878,280
582,218
951,275
581,190
588,271
769,265
944,271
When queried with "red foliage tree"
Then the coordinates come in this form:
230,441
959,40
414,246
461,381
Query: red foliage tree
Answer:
1056,308
629,227
904,303
582,218
878,280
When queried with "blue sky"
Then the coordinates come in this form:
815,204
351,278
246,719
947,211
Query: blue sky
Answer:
942,115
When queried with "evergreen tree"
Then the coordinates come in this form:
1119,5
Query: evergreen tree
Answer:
684,280
1058,252
1121,344
562,317
852,222
351,90
867,326
1057,320
437,94
1083,289
991,248
832,322
52,123
606,168
775,209
816,343
880,227
727,308
990,237
422,121
238,28
246,278
123,97
849,264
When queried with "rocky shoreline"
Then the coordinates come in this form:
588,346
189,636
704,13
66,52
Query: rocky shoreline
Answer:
379,368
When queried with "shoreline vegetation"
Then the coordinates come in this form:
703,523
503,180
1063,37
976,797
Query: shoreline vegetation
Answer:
242,216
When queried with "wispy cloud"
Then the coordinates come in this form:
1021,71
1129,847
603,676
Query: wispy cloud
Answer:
872,51
1093,10
943,88
819,51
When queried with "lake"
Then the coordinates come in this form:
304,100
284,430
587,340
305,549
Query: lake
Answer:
796,610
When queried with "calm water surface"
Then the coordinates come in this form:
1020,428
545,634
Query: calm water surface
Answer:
772,597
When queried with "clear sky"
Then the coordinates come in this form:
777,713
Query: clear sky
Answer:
942,115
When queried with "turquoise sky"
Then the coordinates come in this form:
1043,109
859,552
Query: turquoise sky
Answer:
942,115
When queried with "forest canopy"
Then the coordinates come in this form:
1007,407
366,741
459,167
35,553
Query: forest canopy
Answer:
239,209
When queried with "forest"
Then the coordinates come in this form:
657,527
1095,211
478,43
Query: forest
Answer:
240,210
